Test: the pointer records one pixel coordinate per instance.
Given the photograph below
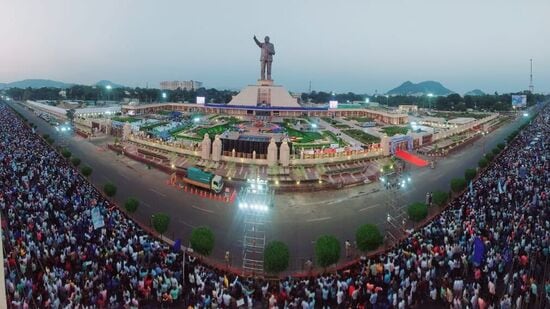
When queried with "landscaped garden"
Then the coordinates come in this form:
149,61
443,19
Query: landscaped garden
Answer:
125,119
361,136
393,130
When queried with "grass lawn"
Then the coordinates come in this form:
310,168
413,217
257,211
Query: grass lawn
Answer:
341,126
301,137
333,138
124,119
361,136
152,126
361,119
393,130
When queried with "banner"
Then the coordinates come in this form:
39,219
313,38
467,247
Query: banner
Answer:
519,100
97,218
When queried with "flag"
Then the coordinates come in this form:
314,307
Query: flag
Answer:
177,246
479,251
471,188
499,187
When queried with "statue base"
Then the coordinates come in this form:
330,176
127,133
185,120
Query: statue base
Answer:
265,82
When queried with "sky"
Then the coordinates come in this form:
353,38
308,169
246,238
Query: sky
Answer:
354,45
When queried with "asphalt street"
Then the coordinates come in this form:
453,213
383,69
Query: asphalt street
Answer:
297,218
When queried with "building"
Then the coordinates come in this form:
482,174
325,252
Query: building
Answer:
408,108
182,84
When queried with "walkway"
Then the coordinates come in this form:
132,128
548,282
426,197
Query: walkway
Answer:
348,139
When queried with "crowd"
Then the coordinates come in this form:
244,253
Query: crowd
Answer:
488,249
54,255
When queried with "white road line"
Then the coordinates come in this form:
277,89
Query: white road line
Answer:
159,193
319,219
369,207
147,205
203,209
188,224
123,176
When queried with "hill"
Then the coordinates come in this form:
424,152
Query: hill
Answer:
422,88
35,83
104,83
475,92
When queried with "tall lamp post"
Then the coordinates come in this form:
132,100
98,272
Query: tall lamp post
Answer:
430,95
108,88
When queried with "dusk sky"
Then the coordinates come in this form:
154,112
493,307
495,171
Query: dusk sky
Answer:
359,46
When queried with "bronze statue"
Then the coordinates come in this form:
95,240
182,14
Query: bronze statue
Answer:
268,50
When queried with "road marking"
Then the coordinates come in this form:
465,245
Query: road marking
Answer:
159,193
369,207
188,224
146,205
319,219
123,176
203,209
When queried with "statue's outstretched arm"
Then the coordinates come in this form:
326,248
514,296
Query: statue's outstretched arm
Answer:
257,42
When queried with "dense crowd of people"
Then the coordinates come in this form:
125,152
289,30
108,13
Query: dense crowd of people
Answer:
488,249
55,257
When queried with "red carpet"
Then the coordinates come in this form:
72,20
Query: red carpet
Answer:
410,158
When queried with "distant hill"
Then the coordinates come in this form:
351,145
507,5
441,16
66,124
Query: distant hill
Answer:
35,83
422,88
103,83
475,92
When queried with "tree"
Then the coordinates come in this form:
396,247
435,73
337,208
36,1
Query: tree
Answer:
75,161
86,171
458,184
131,205
482,163
66,153
368,237
202,240
501,146
489,156
440,198
160,222
327,250
417,211
109,189
496,151
470,174
276,257
70,114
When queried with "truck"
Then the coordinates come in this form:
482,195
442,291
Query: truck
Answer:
202,179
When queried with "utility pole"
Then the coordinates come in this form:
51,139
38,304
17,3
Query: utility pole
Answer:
531,86
309,86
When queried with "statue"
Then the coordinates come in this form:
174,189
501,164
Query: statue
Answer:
268,50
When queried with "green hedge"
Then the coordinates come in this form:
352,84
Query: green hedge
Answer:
160,222
482,163
131,205
75,161
470,174
86,171
368,237
202,240
327,250
276,257
458,184
417,211
109,189
439,198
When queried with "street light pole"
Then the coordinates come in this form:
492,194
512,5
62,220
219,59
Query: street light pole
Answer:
430,95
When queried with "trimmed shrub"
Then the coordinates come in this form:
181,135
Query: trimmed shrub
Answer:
501,146
482,163
202,240
66,153
489,156
131,205
276,257
86,170
109,189
46,136
458,184
368,237
160,222
417,211
75,161
470,174
327,250
496,151
439,198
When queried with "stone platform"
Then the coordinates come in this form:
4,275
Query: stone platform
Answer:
264,94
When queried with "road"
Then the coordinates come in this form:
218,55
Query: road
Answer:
297,219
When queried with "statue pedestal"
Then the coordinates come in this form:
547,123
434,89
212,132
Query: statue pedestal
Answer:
265,82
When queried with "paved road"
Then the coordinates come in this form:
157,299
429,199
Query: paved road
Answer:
297,218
